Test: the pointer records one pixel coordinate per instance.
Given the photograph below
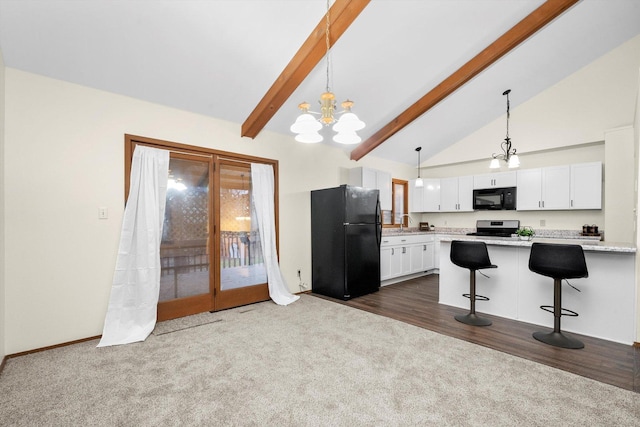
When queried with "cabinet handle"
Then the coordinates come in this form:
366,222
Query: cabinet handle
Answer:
539,204
403,240
393,251
404,250
571,203
424,248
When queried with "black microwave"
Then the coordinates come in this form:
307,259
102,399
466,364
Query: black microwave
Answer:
495,199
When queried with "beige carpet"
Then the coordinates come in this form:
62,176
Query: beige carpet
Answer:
313,363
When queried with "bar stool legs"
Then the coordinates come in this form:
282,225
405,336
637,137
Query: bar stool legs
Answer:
471,318
557,338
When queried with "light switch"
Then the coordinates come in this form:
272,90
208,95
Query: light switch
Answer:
103,213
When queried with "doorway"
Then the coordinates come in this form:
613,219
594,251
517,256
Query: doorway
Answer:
210,254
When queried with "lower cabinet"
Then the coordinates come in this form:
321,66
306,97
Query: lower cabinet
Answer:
405,255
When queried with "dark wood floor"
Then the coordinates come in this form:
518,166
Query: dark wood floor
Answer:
416,302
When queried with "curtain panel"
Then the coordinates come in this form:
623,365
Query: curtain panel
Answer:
132,311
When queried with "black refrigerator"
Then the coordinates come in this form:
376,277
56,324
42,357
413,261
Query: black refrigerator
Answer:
346,231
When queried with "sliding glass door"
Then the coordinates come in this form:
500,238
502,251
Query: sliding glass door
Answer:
185,254
242,273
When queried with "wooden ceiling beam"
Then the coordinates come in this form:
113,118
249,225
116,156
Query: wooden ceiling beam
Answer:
341,15
524,29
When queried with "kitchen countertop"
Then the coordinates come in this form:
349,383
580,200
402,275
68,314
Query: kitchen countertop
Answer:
567,238
587,244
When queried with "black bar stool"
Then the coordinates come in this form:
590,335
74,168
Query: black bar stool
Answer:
474,256
559,262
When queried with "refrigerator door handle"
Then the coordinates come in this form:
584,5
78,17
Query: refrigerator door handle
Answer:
378,223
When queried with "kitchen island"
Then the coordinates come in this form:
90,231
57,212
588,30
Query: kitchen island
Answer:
606,302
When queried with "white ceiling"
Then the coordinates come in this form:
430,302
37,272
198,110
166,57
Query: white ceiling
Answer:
219,57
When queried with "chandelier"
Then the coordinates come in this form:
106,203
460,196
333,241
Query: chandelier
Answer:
508,154
307,126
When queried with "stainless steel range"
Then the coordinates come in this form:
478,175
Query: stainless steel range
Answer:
496,228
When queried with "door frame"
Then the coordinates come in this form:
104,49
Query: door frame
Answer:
231,299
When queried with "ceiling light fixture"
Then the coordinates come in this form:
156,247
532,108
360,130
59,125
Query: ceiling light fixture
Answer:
419,182
306,126
508,154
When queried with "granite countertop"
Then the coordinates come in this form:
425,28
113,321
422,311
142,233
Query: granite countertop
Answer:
570,237
587,244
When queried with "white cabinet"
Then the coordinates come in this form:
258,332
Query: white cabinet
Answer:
373,178
422,257
577,186
456,194
405,255
544,188
495,180
586,185
425,198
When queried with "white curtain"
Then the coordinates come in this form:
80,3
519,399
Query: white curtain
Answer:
262,183
131,315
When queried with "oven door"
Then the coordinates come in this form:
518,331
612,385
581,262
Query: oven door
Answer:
488,199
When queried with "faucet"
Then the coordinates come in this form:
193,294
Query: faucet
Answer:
402,222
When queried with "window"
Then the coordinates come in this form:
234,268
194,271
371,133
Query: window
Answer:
400,205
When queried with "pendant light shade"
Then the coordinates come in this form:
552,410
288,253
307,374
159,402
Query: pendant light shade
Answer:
418,183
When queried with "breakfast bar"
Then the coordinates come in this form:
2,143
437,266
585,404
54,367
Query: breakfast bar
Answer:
606,302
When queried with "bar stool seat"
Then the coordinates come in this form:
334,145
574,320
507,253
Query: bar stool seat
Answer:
474,256
558,262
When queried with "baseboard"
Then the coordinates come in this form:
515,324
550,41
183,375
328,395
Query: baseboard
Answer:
51,347
4,360
636,344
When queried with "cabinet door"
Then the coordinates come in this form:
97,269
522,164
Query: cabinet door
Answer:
417,260
396,262
385,263
415,197
497,180
405,255
383,184
465,193
529,194
586,186
505,179
428,256
556,187
449,194
431,195
369,178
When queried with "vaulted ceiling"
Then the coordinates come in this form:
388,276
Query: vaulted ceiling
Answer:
399,60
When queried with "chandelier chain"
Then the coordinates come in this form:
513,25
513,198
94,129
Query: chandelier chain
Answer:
327,40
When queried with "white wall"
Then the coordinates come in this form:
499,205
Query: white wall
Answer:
575,111
65,158
2,209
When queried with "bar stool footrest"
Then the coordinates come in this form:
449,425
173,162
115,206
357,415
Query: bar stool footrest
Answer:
478,297
564,311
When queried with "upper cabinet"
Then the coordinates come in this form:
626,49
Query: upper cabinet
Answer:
373,178
586,185
495,180
577,186
456,194
425,198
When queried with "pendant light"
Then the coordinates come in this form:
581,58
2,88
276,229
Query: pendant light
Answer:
419,182
508,154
